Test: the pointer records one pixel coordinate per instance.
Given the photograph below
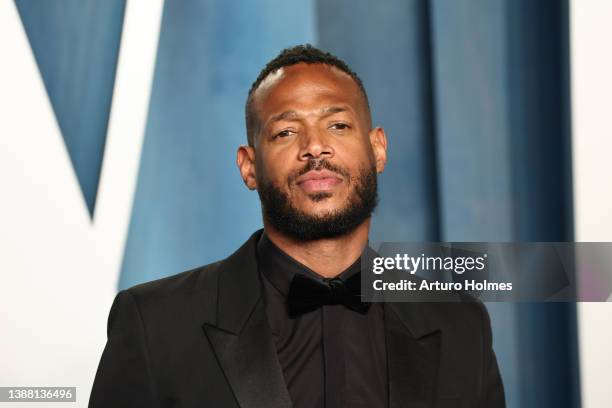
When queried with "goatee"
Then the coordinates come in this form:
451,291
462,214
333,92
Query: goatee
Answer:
283,216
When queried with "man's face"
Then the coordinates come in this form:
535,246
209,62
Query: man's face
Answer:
316,158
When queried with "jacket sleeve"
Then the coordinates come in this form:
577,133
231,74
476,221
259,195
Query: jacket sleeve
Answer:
124,375
493,388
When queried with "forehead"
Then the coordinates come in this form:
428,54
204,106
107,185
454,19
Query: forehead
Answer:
306,84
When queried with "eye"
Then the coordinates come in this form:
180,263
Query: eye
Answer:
339,126
284,133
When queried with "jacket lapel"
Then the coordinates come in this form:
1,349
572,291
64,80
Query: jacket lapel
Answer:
235,323
413,355
240,336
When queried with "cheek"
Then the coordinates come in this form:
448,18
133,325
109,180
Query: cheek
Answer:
358,148
262,168
272,170
358,159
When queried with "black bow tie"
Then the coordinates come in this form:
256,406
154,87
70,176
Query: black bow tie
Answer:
307,294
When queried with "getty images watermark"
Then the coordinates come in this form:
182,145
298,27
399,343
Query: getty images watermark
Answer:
539,271
422,263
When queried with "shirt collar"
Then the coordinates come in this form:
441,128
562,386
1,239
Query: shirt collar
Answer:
279,268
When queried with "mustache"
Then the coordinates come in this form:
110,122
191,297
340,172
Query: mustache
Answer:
318,164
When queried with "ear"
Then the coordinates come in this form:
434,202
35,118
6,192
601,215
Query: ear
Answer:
378,141
245,159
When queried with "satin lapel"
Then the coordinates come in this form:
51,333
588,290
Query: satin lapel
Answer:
250,363
413,357
240,335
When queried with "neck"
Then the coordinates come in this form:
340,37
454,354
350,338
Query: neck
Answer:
327,257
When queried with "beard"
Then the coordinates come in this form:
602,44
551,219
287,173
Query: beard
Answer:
281,214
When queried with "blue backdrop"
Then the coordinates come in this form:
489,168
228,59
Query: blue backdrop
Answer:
473,95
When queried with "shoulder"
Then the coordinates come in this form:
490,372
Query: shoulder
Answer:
201,277
456,309
458,315
176,287
201,283
464,313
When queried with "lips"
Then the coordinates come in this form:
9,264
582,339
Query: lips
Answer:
318,181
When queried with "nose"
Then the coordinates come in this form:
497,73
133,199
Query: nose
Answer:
315,143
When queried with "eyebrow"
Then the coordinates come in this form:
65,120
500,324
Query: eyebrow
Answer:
330,110
290,114
282,116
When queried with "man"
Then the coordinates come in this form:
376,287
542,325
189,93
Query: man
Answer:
280,322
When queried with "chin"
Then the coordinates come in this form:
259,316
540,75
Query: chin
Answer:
321,209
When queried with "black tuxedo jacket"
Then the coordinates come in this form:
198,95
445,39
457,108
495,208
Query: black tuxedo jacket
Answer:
201,339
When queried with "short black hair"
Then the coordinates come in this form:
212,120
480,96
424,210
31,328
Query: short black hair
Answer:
305,53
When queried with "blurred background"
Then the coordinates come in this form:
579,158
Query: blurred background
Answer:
120,122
